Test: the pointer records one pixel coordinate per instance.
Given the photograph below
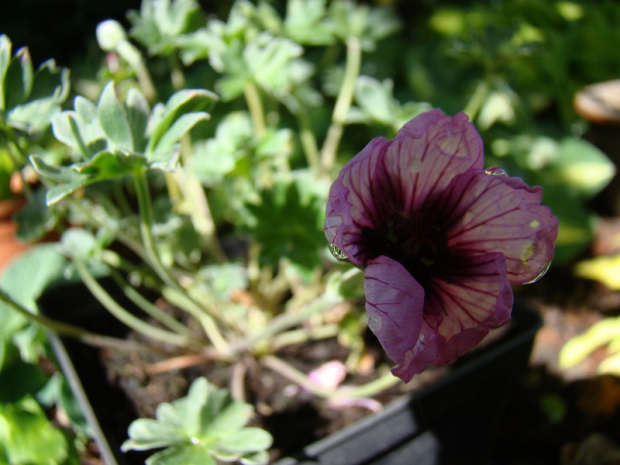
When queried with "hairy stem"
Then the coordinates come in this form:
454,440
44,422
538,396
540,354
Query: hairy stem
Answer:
255,105
343,103
148,307
123,315
68,330
287,320
308,142
293,374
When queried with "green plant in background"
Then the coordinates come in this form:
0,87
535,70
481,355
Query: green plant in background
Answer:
28,100
206,426
605,333
515,68
26,433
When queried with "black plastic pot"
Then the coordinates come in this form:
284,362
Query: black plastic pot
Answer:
454,421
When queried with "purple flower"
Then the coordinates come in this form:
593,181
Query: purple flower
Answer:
441,239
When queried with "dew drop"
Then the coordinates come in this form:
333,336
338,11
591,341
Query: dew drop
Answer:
540,275
338,253
495,171
375,322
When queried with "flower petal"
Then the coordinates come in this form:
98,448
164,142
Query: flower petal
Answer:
350,206
398,176
500,214
429,151
460,308
394,303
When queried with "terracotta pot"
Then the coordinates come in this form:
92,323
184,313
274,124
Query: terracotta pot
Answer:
10,246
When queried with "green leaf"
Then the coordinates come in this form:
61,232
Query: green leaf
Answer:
106,166
66,130
182,455
180,103
147,434
5,59
56,193
245,440
159,23
163,149
113,119
288,226
604,269
138,113
18,79
583,167
306,22
71,179
579,347
28,436
36,219
255,458
207,423
19,379
269,60
375,100
50,87
53,172
30,274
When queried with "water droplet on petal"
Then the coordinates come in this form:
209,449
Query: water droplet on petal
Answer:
375,322
540,275
495,171
338,253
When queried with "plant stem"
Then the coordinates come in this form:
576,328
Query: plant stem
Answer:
252,97
181,300
19,159
197,205
122,314
287,320
148,307
293,374
146,225
299,336
176,74
308,142
68,330
343,103
133,56
477,99
174,289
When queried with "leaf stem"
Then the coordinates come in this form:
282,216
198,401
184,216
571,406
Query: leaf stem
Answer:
209,326
308,142
343,103
122,314
68,330
477,99
293,374
174,289
148,307
287,320
255,105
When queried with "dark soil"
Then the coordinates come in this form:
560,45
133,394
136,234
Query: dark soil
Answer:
295,417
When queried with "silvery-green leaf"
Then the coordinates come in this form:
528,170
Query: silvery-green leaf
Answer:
113,119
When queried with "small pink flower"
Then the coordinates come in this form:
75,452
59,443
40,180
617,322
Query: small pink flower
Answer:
440,238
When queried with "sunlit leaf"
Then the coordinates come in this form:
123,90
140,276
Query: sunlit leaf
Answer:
603,269
113,119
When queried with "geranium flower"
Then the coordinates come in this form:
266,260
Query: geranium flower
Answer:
441,239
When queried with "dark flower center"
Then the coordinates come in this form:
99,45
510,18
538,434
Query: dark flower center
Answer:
412,239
